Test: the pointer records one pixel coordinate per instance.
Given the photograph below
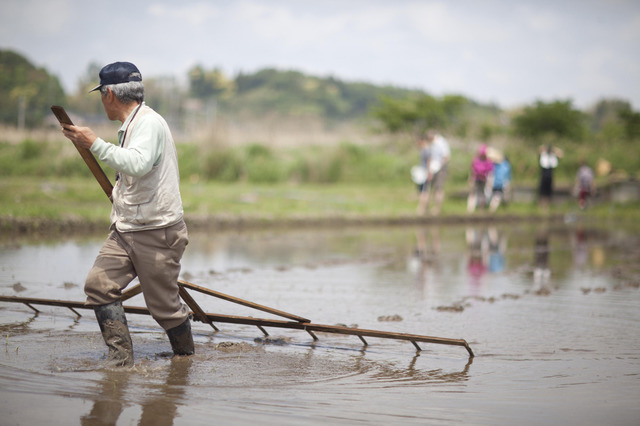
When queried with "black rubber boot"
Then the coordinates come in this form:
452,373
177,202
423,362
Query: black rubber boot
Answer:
113,325
181,339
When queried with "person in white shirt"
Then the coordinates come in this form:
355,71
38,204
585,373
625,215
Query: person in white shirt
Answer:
437,166
148,235
548,162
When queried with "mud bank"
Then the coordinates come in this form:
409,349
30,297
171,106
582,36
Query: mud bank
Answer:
47,226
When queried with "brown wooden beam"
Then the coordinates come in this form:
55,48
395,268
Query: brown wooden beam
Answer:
260,322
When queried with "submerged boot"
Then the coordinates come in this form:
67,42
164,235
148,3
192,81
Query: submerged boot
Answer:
113,325
181,339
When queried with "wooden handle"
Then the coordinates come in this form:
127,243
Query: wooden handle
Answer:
97,171
86,155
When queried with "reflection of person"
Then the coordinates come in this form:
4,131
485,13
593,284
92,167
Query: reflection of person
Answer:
419,173
148,235
481,174
497,248
541,271
160,407
548,161
110,401
425,255
478,251
436,165
501,183
585,184
580,248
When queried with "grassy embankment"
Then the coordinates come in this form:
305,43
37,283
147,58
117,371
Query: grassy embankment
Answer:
47,181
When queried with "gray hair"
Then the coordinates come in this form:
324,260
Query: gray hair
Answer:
132,91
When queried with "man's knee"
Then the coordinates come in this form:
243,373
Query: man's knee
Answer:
98,290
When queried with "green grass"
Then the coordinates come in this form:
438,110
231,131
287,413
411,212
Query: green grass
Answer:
82,199
29,197
48,180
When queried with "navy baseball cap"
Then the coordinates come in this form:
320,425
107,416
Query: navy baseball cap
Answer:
118,72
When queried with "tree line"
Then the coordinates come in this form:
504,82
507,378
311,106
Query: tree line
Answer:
27,91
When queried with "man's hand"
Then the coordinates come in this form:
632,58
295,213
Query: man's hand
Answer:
81,136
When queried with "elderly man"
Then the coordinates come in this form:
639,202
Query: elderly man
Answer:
148,235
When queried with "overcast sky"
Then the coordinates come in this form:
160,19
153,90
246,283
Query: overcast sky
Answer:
509,52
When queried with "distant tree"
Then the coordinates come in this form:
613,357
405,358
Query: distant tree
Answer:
605,119
415,114
396,115
26,92
161,93
631,121
556,119
166,96
294,93
208,84
605,112
84,103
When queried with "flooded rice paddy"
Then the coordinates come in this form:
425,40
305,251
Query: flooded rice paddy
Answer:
551,310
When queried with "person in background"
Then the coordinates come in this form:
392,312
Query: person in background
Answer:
480,177
585,185
148,234
549,157
419,173
502,178
436,166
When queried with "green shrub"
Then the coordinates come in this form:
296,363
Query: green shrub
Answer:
223,165
189,159
31,150
264,170
257,150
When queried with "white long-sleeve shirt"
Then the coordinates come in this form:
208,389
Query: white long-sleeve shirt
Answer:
147,194
144,145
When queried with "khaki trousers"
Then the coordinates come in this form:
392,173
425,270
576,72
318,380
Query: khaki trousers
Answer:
154,257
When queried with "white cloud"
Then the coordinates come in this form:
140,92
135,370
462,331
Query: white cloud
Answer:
511,51
40,18
593,71
195,14
631,31
279,24
443,23
540,20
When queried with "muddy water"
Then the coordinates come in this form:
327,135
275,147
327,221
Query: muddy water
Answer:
551,310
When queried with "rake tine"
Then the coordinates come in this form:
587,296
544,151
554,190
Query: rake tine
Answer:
197,311
312,334
34,309
74,311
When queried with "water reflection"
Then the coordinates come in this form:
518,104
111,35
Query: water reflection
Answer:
486,249
476,254
159,408
110,399
425,255
472,282
413,375
11,329
497,249
580,247
541,270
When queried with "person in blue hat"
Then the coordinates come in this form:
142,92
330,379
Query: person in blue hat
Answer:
148,235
